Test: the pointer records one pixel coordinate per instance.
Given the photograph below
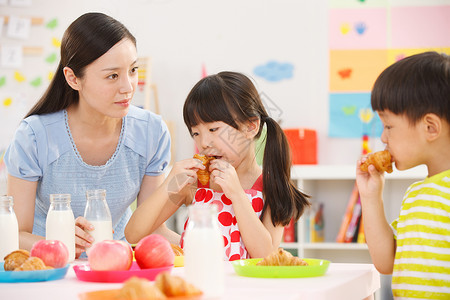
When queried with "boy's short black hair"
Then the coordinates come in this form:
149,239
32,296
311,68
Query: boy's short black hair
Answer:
414,86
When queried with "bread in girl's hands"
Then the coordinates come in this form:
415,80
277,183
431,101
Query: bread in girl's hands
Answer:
381,160
203,175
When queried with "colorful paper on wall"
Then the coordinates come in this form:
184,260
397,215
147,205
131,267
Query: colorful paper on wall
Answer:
274,71
368,36
19,77
52,24
418,27
18,28
419,2
56,42
346,111
395,55
357,3
355,70
11,56
358,28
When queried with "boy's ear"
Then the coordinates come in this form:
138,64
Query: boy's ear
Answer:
252,127
433,126
71,78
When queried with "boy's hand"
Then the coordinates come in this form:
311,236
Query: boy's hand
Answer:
370,183
224,174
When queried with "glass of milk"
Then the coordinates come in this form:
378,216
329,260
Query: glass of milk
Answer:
60,223
203,250
9,229
98,214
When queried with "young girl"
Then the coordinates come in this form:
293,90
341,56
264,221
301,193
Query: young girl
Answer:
225,115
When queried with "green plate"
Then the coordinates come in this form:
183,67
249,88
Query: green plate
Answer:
248,268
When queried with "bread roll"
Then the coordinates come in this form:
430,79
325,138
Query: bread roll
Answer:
382,161
15,259
203,175
280,257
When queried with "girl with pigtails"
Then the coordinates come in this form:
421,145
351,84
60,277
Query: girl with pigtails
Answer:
225,116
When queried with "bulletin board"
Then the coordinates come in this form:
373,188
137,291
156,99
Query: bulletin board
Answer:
24,39
365,37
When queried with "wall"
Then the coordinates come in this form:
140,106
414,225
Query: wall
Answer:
180,36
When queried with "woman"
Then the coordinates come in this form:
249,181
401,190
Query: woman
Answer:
84,134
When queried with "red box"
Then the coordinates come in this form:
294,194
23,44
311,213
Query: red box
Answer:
303,144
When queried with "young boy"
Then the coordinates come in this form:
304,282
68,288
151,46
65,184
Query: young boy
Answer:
412,98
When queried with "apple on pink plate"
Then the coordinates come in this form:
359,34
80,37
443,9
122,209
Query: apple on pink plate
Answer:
52,252
154,251
110,255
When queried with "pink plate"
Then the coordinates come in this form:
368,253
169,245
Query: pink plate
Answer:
84,273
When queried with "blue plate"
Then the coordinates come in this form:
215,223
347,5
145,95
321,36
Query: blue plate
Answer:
32,276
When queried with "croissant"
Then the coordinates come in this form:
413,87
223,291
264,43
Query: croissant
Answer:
177,250
281,257
381,160
203,175
138,289
32,264
15,259
174,286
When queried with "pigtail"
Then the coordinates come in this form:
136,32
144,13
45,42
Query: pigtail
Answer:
286,202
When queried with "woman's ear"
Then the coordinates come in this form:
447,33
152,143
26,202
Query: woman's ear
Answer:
71,78
252,127
433,126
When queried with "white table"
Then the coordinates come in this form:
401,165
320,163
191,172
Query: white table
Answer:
342,281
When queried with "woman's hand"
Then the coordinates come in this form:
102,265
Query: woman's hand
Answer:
83,239
182,176
224,174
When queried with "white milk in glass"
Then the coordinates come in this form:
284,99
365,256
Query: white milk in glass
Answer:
102,231
98,214
9,237
60,225
203,251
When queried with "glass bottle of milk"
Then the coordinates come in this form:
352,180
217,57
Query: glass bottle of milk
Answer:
98,214
203,250
9,229
60,223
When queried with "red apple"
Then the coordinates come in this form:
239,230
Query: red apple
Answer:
52,252
110,255
153,251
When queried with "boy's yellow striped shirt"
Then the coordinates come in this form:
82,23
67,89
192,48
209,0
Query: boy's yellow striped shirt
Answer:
422,231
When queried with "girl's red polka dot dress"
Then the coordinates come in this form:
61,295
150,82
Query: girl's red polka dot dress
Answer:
233,245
